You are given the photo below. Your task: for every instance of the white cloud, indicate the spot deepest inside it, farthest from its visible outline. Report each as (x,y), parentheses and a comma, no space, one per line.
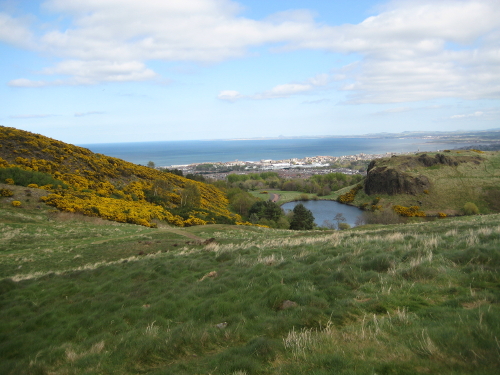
(90,72)
(230,95)
(475,114)
(284,91)
(394,110)
(406,52)
(24,82)
(412,50)
(15,31)
(280,91)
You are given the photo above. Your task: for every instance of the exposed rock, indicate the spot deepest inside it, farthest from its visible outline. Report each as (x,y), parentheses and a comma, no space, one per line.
(386,180)
(209,241)
(221,325)
(428,161)
(212,274)
(397,175)
(287,304)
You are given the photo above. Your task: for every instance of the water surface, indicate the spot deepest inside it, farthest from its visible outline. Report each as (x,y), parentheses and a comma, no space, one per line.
(167,153)
(326,210)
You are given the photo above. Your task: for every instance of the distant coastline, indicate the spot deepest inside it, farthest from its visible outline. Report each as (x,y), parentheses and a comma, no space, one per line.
(429,136)
(171,153)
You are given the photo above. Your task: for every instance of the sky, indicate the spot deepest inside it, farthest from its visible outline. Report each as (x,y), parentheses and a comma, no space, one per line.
(103,71)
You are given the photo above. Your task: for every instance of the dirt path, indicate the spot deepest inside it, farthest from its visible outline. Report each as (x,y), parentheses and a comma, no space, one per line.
(182,233)
(165,229)
(274,197)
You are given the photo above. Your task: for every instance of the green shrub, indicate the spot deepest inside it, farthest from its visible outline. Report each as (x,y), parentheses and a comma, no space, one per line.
(470,209)
(379,263)
(382,217)
(22,177)
(344,226)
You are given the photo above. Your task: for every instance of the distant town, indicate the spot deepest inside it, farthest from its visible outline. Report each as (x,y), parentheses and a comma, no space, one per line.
(487,140)
(295,167)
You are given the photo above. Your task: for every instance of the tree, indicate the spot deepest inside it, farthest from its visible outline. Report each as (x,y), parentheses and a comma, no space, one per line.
(190,196)
(241,203)
(339,218)
(471,209)
(303,218)
(196,177)
(266,209)
(151,164)
(344,226)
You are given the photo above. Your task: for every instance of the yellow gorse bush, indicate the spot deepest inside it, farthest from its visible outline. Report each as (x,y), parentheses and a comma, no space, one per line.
(413,211)
(108,187)
(6,193)
(350,195)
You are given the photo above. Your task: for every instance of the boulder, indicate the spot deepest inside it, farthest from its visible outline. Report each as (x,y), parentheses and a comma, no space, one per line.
(287,304)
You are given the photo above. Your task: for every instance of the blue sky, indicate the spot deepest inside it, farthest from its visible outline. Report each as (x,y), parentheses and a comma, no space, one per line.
(99,71)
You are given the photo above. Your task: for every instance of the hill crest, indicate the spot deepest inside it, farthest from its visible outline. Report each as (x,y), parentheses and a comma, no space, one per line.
(437,181)
(111,188)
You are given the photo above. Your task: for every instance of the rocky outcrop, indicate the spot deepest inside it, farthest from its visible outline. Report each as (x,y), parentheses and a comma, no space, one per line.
(393,176)
(428,161)
(387,180)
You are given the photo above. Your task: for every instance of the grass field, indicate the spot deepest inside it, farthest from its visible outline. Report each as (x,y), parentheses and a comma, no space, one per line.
(86,296)
(289,196)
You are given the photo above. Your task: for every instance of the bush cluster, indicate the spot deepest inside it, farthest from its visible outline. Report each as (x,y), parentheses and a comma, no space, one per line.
(412,211)
(470,209)
(350,195)
(29,178)
(6,193)
(111,188)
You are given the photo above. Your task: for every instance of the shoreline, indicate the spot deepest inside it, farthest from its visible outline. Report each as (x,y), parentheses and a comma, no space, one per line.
(308,162)
(288,152)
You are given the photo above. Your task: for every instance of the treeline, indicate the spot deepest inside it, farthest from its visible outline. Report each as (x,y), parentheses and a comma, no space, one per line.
(320,185)
(268,213)
(257,211)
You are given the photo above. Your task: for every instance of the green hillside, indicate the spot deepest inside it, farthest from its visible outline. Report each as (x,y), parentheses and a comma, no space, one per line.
(82,295)
(106,187)
(435,182)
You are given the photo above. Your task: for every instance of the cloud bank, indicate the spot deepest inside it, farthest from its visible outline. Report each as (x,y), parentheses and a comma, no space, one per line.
(410,51)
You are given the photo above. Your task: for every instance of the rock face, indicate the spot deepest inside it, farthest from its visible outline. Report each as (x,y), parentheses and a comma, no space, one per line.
(395,176)
(402,174)
(387,180)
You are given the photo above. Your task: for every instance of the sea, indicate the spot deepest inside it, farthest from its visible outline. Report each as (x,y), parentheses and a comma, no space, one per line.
(178,153)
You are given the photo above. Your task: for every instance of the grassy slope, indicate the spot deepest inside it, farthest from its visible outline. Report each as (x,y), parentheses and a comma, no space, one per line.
(452,187)
(109,184)
(289,196)
(102,297)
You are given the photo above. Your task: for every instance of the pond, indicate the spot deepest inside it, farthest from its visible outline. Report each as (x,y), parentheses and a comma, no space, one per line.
(326,210)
